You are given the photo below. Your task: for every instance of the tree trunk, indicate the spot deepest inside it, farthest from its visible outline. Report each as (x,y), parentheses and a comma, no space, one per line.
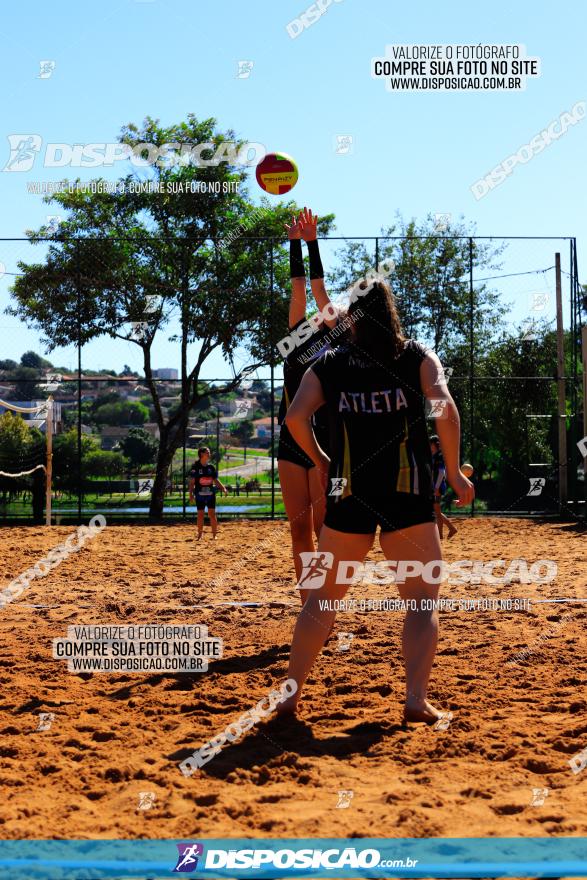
(169,442)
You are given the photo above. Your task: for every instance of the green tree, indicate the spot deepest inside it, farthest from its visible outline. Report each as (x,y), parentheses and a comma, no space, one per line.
(21,448)
(121,413)
(139,447)
(431,282)
(104,463)
(263,394)
(515,381)
(34,360)
(65,459)
(129,262)
(25,381)
(244,432)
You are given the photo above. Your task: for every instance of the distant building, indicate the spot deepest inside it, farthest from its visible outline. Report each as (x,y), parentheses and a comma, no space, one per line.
(263,428)
(167,373)
(151,428)
(110,435)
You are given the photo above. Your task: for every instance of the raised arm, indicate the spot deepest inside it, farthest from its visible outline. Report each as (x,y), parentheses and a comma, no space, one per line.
(308,224)
(447,425)
(297,303)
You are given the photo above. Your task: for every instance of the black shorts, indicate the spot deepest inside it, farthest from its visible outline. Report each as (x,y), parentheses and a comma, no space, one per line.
(288,450)
(361,516)
(203,501)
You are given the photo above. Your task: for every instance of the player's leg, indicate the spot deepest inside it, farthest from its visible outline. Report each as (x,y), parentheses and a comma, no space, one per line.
(318,500)
(442,520)
(316,618)
(295,488)
(452,529)
(212,516)
(418,544)
(200,507)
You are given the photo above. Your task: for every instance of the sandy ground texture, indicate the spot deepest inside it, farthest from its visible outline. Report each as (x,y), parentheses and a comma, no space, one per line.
(115,736)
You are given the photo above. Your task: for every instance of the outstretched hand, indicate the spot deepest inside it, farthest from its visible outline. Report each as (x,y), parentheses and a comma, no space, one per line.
(308,224)
(294,230)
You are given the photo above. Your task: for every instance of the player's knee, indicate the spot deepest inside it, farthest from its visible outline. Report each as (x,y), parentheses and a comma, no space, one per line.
(424,608)
(301,531)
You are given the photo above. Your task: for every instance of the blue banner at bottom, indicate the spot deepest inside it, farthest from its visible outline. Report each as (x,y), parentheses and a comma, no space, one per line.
(254,859)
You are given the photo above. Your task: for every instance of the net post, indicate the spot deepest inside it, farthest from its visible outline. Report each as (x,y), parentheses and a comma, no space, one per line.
(561,390)
(573,391)
(471,363)
(584,356)
(79,382)
(49,470)
(272,374)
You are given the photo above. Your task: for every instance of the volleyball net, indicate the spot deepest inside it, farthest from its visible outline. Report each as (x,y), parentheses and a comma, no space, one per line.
(27,458)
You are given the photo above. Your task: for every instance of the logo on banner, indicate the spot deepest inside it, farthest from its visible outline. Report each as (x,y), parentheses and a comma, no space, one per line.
(537,484)
(187,860)
(315,566)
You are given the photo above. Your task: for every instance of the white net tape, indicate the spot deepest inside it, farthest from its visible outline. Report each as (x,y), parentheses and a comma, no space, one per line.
(24,473)
(24,409)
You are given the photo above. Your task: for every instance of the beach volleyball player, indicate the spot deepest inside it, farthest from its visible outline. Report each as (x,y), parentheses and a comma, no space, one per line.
(301,486)
(379,474)
(439,486)
(203,483)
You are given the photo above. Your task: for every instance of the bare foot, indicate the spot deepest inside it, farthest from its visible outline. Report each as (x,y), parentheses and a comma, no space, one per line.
(421,711)
(288,708)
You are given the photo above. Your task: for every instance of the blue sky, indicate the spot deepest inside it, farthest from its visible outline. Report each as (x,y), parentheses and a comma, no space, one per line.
(413,152)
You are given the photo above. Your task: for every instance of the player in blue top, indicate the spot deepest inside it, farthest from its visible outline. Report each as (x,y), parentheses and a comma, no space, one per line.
(203,483)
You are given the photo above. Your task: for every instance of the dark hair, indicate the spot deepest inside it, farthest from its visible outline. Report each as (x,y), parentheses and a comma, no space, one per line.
(434,438)
(376,327)
(203,449)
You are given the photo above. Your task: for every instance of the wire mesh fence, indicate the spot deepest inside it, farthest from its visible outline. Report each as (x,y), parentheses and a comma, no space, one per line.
(153,347)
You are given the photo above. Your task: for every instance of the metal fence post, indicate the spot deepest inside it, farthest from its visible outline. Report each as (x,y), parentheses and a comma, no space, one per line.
(183,470)
(272,371)
(561,390)
(184,389)
(471,362)
(79,386)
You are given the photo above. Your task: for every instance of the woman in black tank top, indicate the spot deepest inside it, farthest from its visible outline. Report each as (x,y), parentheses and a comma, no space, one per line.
(375,388)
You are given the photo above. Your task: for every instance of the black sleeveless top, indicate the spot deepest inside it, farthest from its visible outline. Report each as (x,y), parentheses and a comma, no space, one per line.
(294,367)
(377,422)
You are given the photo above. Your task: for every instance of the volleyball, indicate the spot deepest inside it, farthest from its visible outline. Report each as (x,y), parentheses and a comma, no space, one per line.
(467,469)
(277,173)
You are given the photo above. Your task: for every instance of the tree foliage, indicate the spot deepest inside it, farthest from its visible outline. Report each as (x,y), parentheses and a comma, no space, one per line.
(132,264)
